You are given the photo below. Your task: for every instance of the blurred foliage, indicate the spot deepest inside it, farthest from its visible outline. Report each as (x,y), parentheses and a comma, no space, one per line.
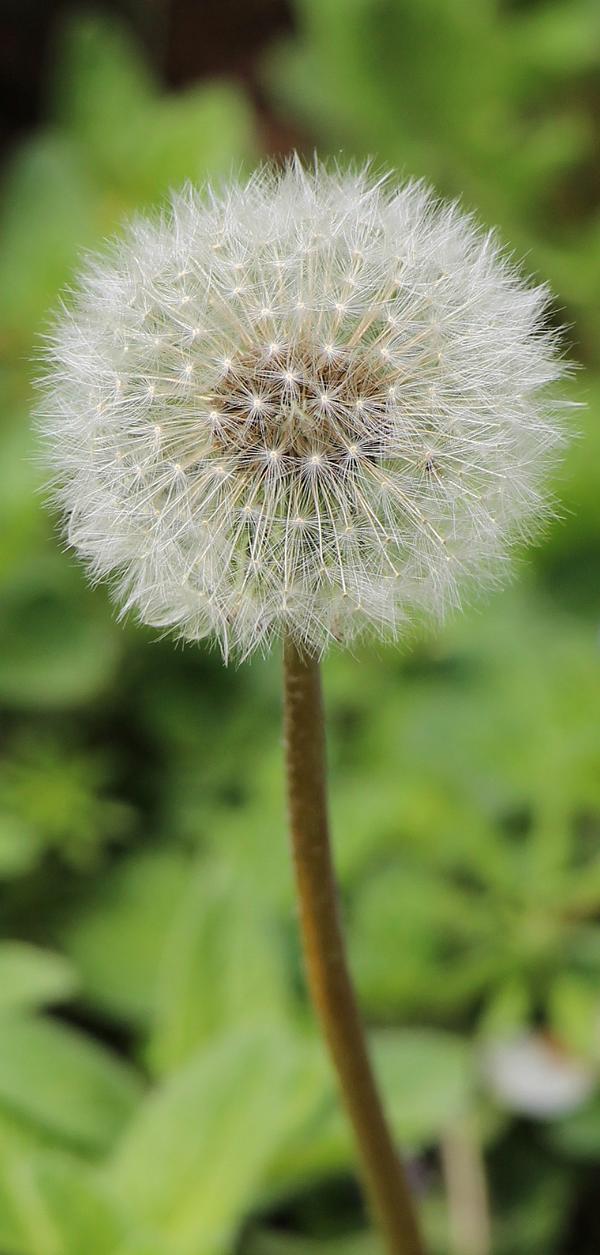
(495,103)
(162,1091)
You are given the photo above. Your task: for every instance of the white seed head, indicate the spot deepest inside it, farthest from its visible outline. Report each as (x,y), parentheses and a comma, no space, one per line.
(314,403)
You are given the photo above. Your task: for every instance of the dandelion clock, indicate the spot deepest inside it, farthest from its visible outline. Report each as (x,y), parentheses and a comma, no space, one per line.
(304,408)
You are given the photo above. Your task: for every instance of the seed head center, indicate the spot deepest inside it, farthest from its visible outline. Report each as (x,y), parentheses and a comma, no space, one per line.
(302,403)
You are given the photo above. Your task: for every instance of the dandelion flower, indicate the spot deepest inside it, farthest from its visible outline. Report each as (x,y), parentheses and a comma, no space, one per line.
(307,406)
(311,404)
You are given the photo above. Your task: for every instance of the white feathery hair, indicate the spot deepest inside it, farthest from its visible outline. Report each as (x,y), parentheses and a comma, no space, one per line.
(314,403)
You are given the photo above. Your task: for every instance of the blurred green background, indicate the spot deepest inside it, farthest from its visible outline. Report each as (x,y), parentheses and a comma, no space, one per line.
(162,1091)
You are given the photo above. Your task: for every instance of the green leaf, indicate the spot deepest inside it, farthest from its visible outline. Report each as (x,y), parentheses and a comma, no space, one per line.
(101,79)
(141,1245)
(191,136)
(46,214)
(54,651)
(428,1079)
(22,524)
(196,1156)
(508,1009)
(60,800)
(221,967)
(19,846)
(577,1135)
(31,977)
(64,1082)
(86,1215)
(441,935)
(137,141)
(53,1204)
(486,101)
(574,1009)
(116,938)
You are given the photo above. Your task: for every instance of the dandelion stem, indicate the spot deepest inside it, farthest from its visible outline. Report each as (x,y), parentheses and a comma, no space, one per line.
(325,954)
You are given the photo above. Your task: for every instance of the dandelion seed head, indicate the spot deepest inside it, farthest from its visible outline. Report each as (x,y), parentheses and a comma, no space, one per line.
(315,403)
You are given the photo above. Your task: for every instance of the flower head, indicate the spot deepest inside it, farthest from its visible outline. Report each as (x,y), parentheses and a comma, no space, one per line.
(313,403)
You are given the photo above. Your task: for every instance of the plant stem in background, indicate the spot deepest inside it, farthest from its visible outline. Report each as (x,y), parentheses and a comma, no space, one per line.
(325,954)
(466,1192)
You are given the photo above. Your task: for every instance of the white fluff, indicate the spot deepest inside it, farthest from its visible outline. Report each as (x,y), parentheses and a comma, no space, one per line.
(314,403)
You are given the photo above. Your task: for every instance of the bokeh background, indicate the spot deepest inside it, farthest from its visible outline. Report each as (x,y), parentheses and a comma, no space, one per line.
(162,1091)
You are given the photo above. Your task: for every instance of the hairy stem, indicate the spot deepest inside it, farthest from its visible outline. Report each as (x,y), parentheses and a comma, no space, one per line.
(325,955)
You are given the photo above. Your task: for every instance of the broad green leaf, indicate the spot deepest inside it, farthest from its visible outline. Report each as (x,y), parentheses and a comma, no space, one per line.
(101,80)
(86,1215)
(18,1145)
(555,38)
(64,1081)
(221,968)
(117,937)
(195,1157)
(47,213)
(428,1079)
(137,141)
(200,134)
(54,1204)
(31,977)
